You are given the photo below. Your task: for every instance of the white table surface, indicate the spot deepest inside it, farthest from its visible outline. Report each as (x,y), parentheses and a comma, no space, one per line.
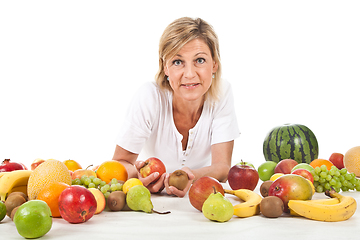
(185,222)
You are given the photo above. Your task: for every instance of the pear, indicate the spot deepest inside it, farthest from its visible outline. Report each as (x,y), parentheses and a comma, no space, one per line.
(138,198)
(218,208)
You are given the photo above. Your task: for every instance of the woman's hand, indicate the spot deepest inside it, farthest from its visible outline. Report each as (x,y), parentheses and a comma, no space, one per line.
(149,181)
(171,190)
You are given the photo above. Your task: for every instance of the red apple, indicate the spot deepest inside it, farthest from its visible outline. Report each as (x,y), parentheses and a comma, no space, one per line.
(304,173)
(285,166)
(8,166)
(79,172)
(153,165)
(201,189)
(291,187)
(77,204)
(243,177)
(36,163)
(338,160)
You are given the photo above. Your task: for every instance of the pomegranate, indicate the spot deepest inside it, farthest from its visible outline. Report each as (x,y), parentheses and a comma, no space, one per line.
(77,204)
(8,166)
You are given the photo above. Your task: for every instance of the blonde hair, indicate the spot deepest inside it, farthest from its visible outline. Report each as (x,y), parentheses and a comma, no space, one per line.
(179,33)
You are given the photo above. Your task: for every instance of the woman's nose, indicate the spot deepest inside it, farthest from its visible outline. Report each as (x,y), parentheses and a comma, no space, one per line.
(189,71)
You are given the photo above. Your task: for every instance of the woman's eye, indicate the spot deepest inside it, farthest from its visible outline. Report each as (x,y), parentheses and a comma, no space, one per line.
(177,62)
(200,60)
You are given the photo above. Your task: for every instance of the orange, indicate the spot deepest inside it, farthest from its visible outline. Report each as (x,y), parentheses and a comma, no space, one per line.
(72,165)
(50,194)
(111,169)
(319,162)
(352,160)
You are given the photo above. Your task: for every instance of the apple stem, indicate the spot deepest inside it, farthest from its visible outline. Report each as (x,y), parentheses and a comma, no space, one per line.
(214,189)
(88,166)
(154,211)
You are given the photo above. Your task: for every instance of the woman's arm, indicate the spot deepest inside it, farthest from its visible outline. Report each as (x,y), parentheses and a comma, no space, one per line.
(221,154)
(128,159)
(220,165)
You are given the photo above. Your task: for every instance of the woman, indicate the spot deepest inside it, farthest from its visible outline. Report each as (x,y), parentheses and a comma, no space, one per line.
(187,118)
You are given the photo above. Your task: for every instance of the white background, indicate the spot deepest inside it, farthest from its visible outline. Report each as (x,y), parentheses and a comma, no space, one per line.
(68,70)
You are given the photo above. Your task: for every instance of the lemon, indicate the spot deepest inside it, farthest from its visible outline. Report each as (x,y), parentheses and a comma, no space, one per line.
(130,183)
(276,176)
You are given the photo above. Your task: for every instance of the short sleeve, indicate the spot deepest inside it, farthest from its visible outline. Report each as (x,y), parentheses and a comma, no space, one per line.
(139,119)
(225,126)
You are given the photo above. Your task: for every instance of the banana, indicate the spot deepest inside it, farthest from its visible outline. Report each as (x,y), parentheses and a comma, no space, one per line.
(324,211)
(251,204)
(328,201)
(11,180)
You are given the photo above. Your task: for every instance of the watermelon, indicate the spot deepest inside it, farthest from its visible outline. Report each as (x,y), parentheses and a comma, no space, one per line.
(291,141)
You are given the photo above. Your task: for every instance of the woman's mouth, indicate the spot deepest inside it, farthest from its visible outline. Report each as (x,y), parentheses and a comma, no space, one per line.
(190,85)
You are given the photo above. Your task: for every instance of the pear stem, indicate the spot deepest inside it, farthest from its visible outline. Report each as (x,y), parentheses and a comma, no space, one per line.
(154,211)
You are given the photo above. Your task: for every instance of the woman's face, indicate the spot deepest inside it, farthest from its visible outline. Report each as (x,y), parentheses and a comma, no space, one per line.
(190,71)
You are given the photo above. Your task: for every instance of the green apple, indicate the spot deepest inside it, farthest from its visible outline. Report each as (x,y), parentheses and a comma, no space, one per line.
(33,219)
(2,210)
(266,170)
(304,166)
(218,208)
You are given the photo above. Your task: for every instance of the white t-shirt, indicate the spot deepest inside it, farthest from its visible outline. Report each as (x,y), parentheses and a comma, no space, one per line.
(149,128)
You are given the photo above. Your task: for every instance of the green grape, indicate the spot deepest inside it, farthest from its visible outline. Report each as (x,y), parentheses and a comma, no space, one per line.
(87,181)
(337,173)
(341,178)
(317,170)
(338,185)
(328,178)
(114,181)
(316,178)
(323,168)
(103,190)
(77,181)
(322,180)
(118,186)
(353,181)
(336,189)
(113,187)
(332,182)
(327,186)
(103,183)
(107,187)
(91,185)
(319,189)
(344,188)
(92,177)
(344,183)
(316,183)
(97,181)
(332,171)
(106,194)
(357,188)
(348,176)
(83,177)
(323,174)
(343,171)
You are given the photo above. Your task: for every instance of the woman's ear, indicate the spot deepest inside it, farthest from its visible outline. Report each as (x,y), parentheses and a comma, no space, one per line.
(166,70)
(215,66)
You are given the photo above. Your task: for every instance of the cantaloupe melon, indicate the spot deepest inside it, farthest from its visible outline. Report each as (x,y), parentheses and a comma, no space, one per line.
(49,171)
(352,160)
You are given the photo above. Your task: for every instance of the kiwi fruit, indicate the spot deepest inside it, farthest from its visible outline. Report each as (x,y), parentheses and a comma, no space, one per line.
(116,200)
(271,206)
(12,202)
(18,193)
(13,213)
(179,179)
(264,188)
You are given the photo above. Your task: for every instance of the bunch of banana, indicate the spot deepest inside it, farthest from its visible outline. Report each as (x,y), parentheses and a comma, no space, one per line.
(13,181)
(251,204)
(328,210)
